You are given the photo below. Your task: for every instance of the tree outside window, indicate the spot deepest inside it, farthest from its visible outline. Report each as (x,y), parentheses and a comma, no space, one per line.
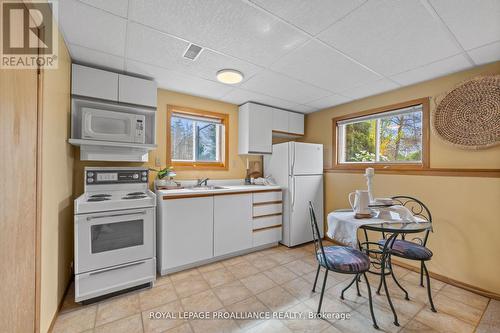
(395,136)
(197,138)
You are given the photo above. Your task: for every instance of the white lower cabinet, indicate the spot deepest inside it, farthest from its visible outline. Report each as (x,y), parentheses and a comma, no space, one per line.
(192,231)
(186,230)
(232,223)
(266,236)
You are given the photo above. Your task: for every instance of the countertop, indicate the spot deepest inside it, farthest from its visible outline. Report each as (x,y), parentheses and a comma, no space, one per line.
(189,192)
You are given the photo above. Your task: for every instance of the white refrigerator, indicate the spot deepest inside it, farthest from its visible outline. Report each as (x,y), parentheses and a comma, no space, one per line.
(298,168)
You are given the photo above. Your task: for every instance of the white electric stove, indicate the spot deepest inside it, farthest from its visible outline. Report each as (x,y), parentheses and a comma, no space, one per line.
(115,220)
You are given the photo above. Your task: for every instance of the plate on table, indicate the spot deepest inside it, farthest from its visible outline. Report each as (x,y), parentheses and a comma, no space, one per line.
(379,205)
(382,202)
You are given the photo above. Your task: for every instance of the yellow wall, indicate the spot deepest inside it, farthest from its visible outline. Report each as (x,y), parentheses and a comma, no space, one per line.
(465,209)
(237,164)
(57,188)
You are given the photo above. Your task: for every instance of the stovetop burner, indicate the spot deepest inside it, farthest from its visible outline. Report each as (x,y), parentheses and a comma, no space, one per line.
(134,197)
(101,198)
(135,193)
(100,195)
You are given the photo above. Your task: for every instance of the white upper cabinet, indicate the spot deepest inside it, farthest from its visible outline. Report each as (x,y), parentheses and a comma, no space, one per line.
(92,82)
(255,123)
(295,123)
(280,120)
(98,83)
(134,90)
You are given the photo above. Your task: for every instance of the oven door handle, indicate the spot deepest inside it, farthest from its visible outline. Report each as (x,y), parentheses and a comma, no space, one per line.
(115,215)
(118,267)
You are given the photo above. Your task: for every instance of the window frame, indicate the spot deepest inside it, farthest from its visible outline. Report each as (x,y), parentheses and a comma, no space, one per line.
(199,165)
(424,164)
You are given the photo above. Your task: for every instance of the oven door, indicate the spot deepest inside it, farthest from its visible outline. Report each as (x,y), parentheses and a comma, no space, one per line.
(113,238)
(107,125)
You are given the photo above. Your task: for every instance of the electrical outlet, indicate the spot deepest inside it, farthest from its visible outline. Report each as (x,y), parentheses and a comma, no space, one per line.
(157,162)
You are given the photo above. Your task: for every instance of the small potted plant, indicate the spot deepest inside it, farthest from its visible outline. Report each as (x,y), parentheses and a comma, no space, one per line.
(165,178)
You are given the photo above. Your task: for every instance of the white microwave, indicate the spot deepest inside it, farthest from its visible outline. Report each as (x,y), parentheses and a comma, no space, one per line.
(104,125)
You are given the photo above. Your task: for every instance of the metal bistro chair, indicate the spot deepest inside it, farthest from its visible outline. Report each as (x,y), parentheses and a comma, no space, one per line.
(416,248)
(339,259)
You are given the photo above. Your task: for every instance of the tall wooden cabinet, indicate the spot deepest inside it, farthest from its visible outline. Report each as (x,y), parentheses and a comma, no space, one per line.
(19,167)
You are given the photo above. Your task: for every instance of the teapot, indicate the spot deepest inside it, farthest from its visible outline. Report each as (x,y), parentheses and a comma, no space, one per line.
(361,201)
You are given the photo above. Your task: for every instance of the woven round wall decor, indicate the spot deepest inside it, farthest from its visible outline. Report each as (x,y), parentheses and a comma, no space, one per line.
(469,115)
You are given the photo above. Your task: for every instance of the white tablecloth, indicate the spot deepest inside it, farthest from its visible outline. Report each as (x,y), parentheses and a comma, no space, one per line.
(343,227)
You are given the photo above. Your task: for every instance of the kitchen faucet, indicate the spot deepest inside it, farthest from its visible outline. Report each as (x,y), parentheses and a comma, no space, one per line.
(202,181)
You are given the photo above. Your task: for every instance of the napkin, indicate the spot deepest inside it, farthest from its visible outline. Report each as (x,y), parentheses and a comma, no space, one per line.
(404,213)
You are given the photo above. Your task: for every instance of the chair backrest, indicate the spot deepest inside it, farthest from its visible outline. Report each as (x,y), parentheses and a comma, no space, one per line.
(318,244)
(417,208)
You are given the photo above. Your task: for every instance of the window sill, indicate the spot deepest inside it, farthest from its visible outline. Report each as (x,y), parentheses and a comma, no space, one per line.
(380,166)
(199,166)
(443,172)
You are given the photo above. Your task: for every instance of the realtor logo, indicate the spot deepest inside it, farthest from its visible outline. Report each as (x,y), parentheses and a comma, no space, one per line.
(29,37)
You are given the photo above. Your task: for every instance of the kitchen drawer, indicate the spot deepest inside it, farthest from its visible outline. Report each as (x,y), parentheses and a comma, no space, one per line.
(105,281)
(266,209)
(266,236)
(259,197)
(268,221)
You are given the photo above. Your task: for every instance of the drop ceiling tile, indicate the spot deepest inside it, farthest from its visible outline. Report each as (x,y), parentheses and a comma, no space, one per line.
(474,23)
(281,86)
(241,96)
(324,67)
(228,26)
(486,54)
(329,101)
(304,108)
(391,36)
(370,89)
(117,7)
(92,28)
(433,70)
(157,48)
(175,81)
(92,57)
(153,47)
(311,16)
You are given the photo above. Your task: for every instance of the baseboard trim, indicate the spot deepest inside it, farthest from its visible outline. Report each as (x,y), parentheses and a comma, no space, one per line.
(453,282)
(442,278)
(61,302)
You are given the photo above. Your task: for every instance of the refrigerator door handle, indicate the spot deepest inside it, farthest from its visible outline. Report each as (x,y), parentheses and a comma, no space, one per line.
(293,193)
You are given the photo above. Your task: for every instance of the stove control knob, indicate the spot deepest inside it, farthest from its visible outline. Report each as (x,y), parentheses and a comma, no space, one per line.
(90,174)
(90,180)
(144,179)
(144,173)
(135,176)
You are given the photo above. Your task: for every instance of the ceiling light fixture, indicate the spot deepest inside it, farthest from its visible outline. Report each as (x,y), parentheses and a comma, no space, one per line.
(229,76)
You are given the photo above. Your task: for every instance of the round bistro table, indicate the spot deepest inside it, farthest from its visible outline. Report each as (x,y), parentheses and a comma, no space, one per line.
(380,254)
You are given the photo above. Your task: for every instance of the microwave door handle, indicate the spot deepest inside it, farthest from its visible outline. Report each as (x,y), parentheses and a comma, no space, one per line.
(115,215)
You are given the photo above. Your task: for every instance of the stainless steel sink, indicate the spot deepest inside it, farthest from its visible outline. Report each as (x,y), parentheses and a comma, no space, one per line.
(207,188)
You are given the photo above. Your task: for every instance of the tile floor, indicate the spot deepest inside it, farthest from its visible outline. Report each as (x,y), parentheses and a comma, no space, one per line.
(277,279)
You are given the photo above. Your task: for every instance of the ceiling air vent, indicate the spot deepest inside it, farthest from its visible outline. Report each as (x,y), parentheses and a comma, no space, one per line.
(192,52)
